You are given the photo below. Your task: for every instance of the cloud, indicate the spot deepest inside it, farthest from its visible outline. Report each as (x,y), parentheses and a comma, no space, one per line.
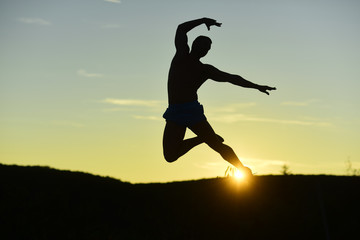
(211,165)
(231,108)
(152,118)
(300,103)
(36,21)
(113,1)
(84,73)
(132,102)
(263,163)
(265,166)
(232,118)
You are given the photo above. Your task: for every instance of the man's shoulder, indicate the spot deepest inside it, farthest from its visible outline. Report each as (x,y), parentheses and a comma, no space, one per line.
(214,73)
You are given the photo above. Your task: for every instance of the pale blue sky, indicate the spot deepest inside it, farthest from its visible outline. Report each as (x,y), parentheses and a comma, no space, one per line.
(68,70)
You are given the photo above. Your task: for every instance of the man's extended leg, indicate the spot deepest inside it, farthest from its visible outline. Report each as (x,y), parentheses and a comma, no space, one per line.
(204,131)
(174,145)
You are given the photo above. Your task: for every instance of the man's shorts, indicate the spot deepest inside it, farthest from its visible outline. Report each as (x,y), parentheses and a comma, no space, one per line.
(185,114)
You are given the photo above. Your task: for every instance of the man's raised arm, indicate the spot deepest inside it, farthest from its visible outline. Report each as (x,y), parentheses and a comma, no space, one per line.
(184,28)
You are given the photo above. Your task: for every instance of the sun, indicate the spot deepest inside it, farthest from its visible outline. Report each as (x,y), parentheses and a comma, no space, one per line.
(239,175)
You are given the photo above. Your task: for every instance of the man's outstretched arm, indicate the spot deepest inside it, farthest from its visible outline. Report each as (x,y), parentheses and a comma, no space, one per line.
(220,76)
(184,28)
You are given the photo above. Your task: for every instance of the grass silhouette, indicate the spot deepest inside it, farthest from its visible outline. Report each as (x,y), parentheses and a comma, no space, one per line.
(44,203)
(350,170)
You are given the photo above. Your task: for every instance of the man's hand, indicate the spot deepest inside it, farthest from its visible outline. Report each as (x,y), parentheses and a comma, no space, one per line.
(211,22)
(265,89)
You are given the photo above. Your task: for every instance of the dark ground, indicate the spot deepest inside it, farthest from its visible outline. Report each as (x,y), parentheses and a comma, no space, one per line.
(44,203)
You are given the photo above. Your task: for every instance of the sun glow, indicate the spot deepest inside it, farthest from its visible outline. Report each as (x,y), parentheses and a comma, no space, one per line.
(239,175)
(236,174)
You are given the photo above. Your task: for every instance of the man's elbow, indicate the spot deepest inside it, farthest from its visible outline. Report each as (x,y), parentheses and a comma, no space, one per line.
(230,78)
(181,28)
(236,80)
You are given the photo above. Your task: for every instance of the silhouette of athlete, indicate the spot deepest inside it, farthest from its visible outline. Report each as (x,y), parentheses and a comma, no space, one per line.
(186,75)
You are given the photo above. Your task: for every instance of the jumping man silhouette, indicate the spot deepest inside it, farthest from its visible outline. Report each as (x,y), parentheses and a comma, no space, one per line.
(186,75)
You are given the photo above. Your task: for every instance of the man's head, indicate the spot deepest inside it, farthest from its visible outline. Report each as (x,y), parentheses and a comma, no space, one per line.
(200,46)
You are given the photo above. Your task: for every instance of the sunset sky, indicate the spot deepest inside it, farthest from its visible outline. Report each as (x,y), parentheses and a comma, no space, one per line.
(83,85)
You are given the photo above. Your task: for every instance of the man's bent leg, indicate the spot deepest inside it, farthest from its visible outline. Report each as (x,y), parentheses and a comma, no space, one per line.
(206,132)
(174,145)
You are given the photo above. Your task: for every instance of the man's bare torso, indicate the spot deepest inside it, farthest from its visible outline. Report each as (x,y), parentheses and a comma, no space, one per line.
(186,75)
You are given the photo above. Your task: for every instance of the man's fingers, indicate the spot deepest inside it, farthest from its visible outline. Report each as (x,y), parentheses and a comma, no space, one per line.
(265,89)
(270,88)
(213,22)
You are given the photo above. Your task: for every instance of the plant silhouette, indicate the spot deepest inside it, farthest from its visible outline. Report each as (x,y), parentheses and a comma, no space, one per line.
(187,73)
(285,170)
(350,170)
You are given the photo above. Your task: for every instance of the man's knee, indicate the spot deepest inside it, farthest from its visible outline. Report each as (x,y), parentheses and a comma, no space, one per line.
(170,157)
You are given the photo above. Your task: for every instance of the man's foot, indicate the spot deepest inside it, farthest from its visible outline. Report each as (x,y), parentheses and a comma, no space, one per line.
(247,172)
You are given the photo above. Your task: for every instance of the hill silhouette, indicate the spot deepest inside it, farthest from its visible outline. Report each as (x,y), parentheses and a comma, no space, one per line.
(44,203)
